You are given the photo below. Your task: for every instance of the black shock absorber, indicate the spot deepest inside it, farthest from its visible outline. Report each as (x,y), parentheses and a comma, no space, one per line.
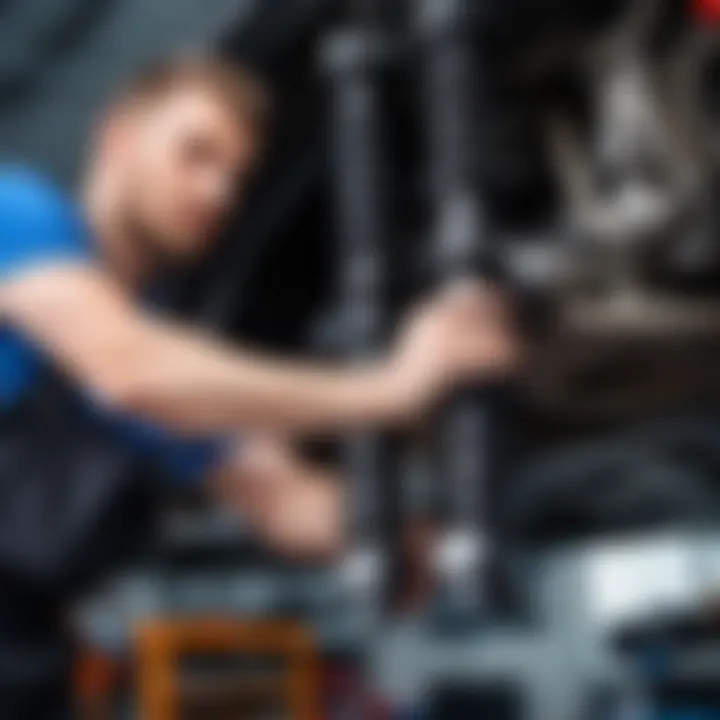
(452,88)
(354,58)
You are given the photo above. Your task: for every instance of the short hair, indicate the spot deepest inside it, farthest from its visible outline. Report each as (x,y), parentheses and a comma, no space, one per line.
(238,87)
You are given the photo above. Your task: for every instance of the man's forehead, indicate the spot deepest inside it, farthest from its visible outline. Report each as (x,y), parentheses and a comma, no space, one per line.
(191,105)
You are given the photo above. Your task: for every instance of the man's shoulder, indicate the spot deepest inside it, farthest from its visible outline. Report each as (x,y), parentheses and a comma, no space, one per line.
(37,219)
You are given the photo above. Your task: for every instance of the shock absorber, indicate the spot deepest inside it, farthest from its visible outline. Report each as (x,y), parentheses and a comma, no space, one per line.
(453,92)
(354,59)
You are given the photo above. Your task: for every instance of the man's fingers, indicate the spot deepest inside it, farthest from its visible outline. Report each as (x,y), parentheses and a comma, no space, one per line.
(478,299)
(306,521)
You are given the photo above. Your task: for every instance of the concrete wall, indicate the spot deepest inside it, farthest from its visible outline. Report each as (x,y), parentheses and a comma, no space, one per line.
(65,60)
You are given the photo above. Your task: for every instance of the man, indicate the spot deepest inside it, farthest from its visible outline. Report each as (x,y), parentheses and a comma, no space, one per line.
(170,159)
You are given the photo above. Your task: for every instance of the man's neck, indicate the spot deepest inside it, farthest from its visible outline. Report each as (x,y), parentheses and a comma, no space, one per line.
(102,204)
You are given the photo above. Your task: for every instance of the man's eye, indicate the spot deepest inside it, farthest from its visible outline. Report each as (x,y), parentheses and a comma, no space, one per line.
(197,152)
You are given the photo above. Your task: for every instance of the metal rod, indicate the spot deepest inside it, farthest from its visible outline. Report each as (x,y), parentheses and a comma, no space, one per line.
(353,58)
(452,78)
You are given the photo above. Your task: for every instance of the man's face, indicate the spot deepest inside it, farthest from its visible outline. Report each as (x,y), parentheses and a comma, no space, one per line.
(184,159)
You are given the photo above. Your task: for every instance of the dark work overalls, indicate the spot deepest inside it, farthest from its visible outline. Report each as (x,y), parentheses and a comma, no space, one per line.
(75,504)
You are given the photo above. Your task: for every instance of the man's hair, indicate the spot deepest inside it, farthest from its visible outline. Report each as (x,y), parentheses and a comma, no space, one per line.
(240,89)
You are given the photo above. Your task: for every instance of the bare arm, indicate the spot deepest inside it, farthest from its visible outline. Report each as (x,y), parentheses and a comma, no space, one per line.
(188,381)
(290,504)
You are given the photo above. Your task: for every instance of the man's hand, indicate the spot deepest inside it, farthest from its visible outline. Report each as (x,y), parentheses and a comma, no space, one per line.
(305,521)
(295,508)
(462,335)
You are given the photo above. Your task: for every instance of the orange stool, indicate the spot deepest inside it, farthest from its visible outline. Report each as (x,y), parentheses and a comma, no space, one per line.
(162,643)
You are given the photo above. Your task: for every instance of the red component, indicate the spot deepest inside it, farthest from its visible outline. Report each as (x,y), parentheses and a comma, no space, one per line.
(707,11)
(347,695)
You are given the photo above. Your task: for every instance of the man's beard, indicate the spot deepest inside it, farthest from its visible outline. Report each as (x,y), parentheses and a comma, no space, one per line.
(149,246)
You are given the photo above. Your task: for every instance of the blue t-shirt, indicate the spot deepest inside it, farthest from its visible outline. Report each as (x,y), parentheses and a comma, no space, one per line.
(40,226)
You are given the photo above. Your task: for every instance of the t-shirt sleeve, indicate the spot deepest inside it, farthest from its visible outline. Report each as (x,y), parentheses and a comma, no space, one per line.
(182,460)
(192,462)
(38,226)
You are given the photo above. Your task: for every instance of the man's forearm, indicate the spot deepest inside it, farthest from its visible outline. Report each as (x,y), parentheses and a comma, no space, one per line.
(197,384)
